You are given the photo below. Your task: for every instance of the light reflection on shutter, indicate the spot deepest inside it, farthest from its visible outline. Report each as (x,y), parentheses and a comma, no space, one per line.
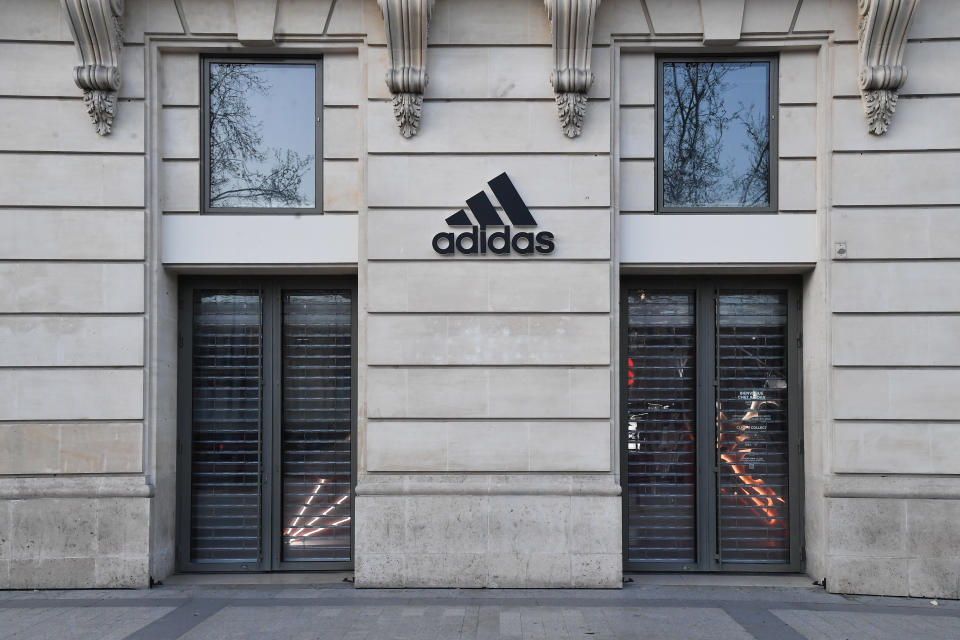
(225,458)
(752,444)
(661,422)
(316,425)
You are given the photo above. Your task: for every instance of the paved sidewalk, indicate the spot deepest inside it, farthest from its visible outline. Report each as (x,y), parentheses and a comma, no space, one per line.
(640,610)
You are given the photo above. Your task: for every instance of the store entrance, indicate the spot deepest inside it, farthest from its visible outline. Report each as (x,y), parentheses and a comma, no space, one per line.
(266,420)
(711,458)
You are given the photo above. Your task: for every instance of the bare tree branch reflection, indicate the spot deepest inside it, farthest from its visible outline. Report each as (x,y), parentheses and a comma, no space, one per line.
(754,185)
(699,167)
(243,171)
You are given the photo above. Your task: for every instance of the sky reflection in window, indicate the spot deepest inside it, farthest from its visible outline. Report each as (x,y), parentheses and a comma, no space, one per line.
(716,134)
(262,135)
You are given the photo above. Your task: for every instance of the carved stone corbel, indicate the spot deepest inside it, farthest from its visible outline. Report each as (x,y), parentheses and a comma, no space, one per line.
(571,30)
(97,28)
(407,23)
(883,34)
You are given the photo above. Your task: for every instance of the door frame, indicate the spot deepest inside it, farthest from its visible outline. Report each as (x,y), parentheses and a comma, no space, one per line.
(270,418)
(708,556)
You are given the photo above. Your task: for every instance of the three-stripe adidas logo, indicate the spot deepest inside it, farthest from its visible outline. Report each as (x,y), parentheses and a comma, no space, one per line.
(476,241)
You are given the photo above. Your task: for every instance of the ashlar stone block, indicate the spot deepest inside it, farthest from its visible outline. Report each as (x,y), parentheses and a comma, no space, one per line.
(70,341)
(448,180)
(914,287)
(522,392)
(931,528)
(180,133)
(180,79)
(72,287)
(66,127)
(768,16)
(71,394)
(897,233)
(341,133)
(459,340)
(675,16)
(487,126)
(37,234)
(209,16)
(886,179)
(180,186)
(798,77)
(638,83)
(867,527)
(150,16)
(81,180)
(868,575)
(342,80)
(488,286)
(491,22)
(638,132)
(934,577)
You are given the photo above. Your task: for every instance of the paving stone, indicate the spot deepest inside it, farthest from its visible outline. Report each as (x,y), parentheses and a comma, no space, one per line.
(321,612)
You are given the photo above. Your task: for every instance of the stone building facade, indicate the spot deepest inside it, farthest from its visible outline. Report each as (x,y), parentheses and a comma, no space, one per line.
(490,436)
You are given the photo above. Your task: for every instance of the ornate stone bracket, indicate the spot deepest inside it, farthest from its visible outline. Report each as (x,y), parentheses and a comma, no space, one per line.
(407,23)
(97,28)
(571,29)
(883,33)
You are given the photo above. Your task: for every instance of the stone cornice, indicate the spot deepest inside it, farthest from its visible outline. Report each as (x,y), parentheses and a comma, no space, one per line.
(883,34)
(407,23)
(571,31)
(97,28)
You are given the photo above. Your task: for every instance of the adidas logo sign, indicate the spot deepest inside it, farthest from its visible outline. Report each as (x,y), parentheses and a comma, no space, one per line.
(477,241)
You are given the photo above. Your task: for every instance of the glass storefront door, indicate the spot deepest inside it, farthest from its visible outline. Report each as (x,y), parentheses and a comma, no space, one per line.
(711,425)
(266,406)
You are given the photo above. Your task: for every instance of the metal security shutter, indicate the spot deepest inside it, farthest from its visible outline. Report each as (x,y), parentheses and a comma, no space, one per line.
(711,462)
(225,415)
(316,425)
(752,434)
(661,426)
(267,408)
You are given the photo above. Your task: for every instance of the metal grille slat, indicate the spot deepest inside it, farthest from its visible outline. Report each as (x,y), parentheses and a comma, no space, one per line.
(752,441)
(225,412)
(661,426)
(316,345)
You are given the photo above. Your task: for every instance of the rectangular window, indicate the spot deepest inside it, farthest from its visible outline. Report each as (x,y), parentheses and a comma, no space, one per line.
(717,135)
(261,142)
(711,425)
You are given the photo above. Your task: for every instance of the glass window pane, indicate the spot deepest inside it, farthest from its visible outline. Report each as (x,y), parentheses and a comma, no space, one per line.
(752,436)
(661,426)
(316,425)
(262,135)
(716,134)
(225,438)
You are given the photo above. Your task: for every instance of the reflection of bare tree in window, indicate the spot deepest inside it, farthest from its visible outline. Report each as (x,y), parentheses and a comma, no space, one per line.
(754,184)
(702,126)
(243,172)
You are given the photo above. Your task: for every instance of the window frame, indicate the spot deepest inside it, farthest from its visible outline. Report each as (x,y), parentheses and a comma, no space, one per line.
(205,62)
(707,516)
(773,101)
(271,390)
